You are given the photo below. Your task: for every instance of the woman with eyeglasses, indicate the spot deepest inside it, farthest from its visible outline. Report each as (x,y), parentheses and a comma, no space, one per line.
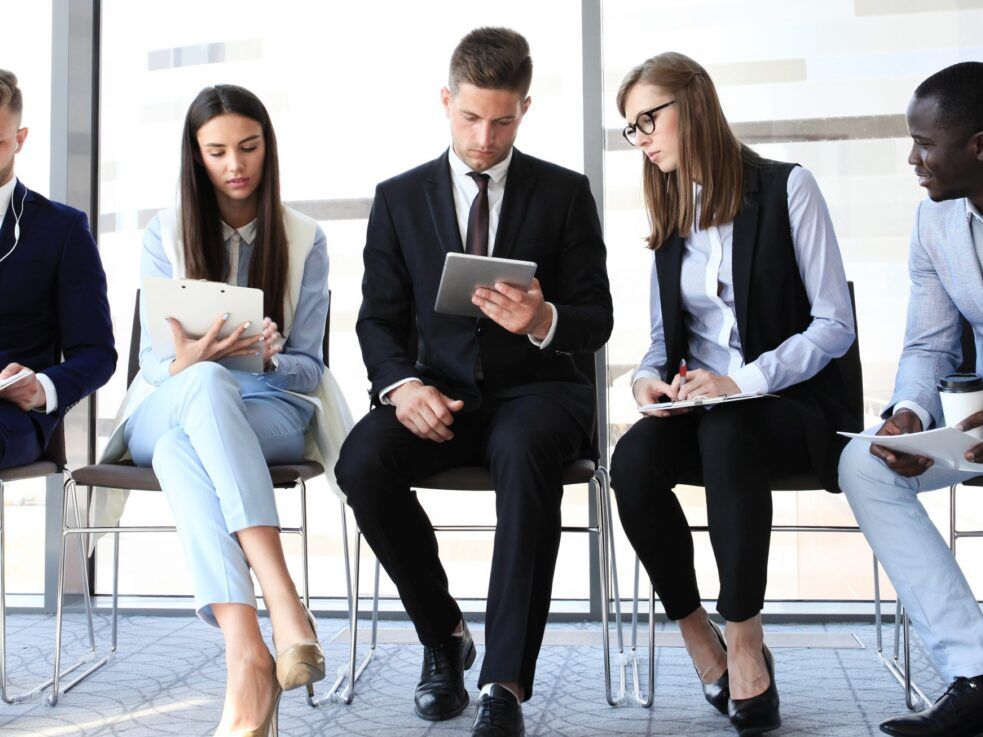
(209,431)
(748,294)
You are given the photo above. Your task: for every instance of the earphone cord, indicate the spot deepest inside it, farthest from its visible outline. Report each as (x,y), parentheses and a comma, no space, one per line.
(17,217)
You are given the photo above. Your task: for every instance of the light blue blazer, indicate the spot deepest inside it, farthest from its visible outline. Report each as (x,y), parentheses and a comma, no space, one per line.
(946,284)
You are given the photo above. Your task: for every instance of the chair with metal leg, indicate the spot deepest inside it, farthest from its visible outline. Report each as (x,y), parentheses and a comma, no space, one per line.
(51,464)
(851,372)
(125,475)
(589,470)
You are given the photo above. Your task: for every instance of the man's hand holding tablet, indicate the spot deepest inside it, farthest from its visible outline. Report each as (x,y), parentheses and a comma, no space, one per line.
(464,274)
(520,311)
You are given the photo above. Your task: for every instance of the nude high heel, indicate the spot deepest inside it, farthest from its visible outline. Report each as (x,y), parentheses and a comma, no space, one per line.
(301,664)
(271,724)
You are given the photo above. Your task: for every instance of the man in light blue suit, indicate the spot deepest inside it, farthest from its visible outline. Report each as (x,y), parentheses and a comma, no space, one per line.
(945,120)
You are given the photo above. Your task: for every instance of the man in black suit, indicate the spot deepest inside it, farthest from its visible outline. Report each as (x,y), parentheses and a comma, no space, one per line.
(52,303)
(500,391)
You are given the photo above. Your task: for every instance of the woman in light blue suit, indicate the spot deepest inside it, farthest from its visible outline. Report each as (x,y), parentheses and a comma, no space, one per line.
(209,432)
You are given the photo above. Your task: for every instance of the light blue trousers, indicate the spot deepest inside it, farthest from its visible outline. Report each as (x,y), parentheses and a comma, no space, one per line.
(924,571)
(209,434)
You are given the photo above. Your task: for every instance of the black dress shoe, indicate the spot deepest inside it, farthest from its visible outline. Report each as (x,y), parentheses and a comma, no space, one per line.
(717,693)
(498,715)
(440,694)
(957,713)
(758,714)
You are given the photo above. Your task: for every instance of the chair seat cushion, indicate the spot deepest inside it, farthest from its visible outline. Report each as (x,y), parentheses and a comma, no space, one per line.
(797,482)
(30,471)
(477,478)
(128,476)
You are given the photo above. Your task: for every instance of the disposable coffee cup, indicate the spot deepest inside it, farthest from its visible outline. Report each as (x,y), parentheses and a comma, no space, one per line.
(962,395)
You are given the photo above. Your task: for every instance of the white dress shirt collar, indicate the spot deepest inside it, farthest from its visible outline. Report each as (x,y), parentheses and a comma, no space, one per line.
(247,233)
(6,192)
(972,211)
(497,172)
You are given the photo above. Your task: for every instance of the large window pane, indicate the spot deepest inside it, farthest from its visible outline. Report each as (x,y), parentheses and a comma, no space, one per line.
(824,85)
(355,100)
(27,53)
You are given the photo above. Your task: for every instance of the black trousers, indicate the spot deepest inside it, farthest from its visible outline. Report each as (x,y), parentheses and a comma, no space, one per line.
(735,449)
(20,438)
(524,442)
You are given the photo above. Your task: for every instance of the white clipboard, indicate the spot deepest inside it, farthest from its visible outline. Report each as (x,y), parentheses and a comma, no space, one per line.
(463,273)
(196,304)
(704,401)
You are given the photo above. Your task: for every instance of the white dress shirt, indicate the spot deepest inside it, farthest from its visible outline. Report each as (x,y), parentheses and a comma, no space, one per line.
(465,190)
(6,192)
(50,393)
(976,231)
(710,317)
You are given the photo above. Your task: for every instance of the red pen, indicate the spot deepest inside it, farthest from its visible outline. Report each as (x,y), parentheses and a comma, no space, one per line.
(682,371)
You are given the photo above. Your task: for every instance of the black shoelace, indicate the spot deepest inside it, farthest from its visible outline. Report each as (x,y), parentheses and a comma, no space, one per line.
(956,684)
(494,711)
(439,660)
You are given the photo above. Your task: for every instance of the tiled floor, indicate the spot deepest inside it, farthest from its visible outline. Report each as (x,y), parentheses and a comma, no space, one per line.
(168,677)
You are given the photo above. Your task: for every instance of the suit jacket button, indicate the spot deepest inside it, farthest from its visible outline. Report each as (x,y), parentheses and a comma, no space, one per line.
(480,330)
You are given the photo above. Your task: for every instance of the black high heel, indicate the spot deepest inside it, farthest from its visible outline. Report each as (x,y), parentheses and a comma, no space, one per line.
(758,714)
(717,693)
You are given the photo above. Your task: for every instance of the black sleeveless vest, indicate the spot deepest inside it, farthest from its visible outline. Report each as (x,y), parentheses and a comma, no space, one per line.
(771,305)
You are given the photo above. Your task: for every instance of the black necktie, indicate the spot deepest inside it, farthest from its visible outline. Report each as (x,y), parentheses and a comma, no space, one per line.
(477,238)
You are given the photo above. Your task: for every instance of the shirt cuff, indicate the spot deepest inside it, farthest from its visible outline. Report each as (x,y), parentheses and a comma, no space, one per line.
(384,394)
(644,373)
(750,380)
(915,407)
(544,343)
(50,394)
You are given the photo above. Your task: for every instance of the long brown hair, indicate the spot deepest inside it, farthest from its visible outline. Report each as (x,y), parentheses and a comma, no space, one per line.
(204,249)
(708,151)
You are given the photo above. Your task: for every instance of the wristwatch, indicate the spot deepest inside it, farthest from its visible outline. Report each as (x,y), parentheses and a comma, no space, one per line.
(274,363)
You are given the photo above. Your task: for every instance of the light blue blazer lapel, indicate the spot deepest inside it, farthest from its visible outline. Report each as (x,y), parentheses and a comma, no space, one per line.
(965,285)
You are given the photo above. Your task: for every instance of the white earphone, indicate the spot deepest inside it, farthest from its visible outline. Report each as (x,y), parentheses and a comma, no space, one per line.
(17,217)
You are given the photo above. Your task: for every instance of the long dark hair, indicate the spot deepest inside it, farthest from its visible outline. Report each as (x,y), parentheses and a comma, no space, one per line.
(204,249)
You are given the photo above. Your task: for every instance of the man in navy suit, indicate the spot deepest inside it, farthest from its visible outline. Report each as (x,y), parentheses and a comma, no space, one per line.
(500,391)
(52,303)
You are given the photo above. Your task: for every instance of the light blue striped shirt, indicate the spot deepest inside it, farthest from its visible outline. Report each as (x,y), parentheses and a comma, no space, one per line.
(301,364)
(710,319)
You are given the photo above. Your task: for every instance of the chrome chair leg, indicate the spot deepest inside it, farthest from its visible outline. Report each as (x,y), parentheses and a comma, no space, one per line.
(599,486)
(57,689)
(915,699)
(648,699)
(351,672)
(953,536)
(5,695)
(304,550)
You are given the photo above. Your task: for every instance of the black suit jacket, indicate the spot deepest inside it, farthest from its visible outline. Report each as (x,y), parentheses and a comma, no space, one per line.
(771,305)
(53,302)
(548,216)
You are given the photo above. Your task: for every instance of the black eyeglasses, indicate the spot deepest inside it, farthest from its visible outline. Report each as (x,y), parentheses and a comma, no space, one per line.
(645,122)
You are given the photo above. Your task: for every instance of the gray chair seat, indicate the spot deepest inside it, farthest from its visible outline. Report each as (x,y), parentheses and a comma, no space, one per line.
(129,476)
(30,471)
(477,478)
(795,482)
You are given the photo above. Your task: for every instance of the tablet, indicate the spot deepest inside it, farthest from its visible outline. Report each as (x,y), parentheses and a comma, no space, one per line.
(463,273)
(196,304)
